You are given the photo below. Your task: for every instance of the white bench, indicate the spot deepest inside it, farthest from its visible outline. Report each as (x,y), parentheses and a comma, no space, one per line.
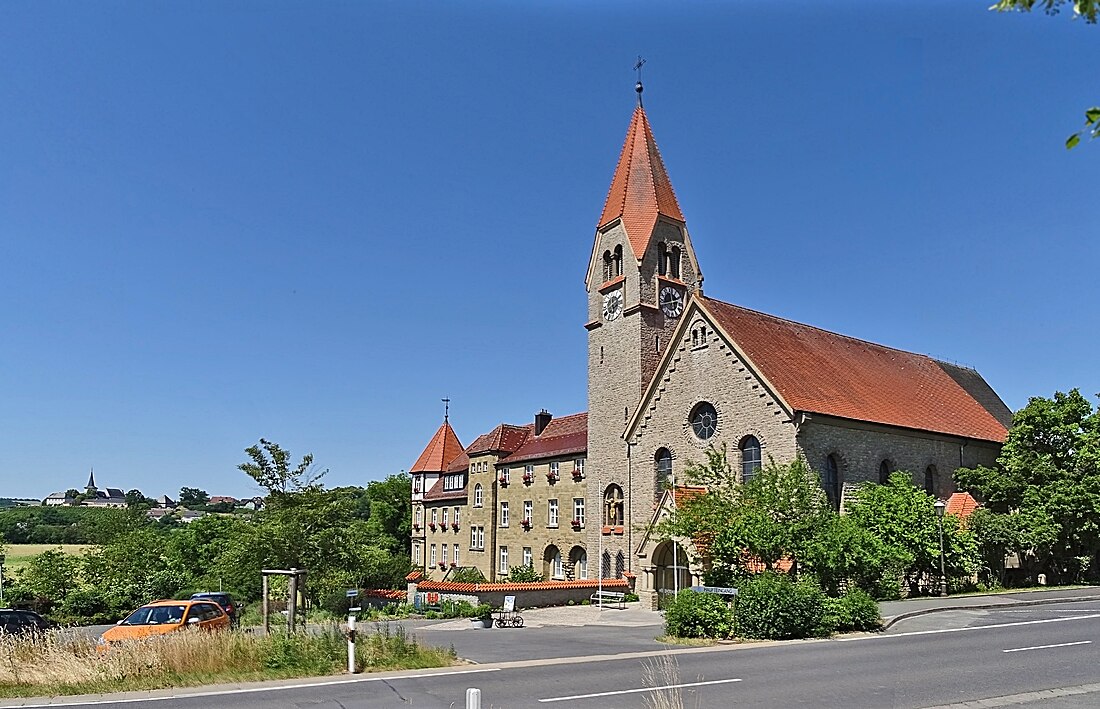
(604,598)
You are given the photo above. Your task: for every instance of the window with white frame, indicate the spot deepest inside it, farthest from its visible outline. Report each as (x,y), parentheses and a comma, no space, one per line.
(557,569)
(455,557)
(504,514)
(527,556)
(506,475)
(528,470)
(552,513)
(555,468)
(504,560)
(578,464)
(454,481)
(528,510)
(443,558)
(434,513)
(479,495)
(417,485)
(433,555)
(481,538)
(444,516)
(578,510)
(419,515)
(455,518)
(473,537)
(416,553)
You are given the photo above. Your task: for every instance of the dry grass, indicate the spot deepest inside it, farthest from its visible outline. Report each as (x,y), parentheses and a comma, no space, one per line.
(19,555)
(663,672)
(56,664)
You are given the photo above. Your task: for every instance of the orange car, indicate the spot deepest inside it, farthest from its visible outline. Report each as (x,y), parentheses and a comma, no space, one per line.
(161,617)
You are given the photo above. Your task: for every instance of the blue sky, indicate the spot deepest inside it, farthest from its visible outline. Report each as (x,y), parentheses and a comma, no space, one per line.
(312,221)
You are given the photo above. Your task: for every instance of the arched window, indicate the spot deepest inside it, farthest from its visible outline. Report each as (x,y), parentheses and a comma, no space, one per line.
(479,495)
(607,266)
(662,460)
(662,259)
(884,470)
(620,564)
(674,262)
(579,560)
(605,565)
(750,458)
(613,506)
(831,481)
(930,480)
(618,261)
(552,564)
(704,420)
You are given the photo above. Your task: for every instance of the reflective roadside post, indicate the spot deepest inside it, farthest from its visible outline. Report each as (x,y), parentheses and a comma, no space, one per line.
(351,594)
(940,507)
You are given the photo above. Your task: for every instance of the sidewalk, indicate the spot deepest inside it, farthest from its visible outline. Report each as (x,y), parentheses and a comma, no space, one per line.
(893,611)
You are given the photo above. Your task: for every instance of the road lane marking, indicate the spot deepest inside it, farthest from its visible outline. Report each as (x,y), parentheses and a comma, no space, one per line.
(1039,697)
(635,691)
(1047,647)
(253,690)
(973,627)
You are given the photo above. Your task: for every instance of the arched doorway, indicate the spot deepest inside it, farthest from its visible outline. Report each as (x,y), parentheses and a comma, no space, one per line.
(552,567)
(578,561)
(671,573)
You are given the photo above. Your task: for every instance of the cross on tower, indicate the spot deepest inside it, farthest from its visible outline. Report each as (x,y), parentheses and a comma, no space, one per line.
(638,86)
(446,408)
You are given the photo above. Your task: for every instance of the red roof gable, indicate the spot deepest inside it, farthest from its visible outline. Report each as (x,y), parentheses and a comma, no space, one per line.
(504,438)
(640,189)
(442,449)
(961,504)
(817,371)
(562,436)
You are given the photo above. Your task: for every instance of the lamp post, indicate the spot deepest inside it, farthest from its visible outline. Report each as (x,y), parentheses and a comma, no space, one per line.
(940,507)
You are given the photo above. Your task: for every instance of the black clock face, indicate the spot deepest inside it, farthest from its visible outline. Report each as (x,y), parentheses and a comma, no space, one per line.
(612,305)
(672,302)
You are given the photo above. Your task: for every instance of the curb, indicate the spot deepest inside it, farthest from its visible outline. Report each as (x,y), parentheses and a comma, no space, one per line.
(987,606)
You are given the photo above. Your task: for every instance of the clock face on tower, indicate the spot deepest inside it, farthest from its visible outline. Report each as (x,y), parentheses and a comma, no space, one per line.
(612,305)
(671,301)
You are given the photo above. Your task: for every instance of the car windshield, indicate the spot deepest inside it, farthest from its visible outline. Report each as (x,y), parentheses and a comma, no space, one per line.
(219,598)
(156,615)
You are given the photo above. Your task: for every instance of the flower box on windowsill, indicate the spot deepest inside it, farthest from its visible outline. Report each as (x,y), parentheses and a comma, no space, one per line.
(431,526)
(454,526)
(454,565)
(578,475)
(552,477)
(528,478)
(442,565)
(416,527)
(503,481)
(577,524)
(526,524)
(616,529)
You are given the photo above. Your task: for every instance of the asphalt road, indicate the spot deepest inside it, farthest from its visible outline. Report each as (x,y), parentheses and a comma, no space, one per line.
(1046,656)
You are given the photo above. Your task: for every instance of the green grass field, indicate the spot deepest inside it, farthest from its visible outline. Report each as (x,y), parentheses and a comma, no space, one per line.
(20,554)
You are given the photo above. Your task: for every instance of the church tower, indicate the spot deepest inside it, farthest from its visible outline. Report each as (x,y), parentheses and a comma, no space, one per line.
(641,272)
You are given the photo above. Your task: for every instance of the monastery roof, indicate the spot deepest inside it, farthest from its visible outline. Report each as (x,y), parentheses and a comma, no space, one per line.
(562,436)
(640,189)
(961,504)
(818,371)
(505,438)
(459,464)
(441,450)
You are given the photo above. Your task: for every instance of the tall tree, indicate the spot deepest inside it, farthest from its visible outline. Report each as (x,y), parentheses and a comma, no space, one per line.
(193,497)
(1090,11)
(270,468)
(1049,471)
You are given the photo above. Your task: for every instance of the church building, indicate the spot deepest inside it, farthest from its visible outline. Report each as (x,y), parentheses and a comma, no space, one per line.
(670,373)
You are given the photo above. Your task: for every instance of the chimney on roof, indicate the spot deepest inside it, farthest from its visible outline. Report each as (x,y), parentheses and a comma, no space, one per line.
(542,420)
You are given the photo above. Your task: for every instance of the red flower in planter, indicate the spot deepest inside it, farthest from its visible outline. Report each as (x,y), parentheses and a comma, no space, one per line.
(528,478)
(503,480)
(526,523)
(577,474)
(552,477)
(454,526)
(577,524)
(431,526)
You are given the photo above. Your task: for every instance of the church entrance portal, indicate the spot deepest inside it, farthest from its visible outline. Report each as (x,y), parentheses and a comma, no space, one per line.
(672,573)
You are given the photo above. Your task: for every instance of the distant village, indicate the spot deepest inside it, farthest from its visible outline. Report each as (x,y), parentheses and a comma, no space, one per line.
(194,503)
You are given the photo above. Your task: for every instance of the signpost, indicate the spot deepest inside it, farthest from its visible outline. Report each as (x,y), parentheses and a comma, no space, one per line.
(717,590)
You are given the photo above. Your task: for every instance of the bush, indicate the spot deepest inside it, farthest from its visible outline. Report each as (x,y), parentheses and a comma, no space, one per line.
(523,574)
(467,574)
(698,615)
(630,597)
(862,610)
(770,606)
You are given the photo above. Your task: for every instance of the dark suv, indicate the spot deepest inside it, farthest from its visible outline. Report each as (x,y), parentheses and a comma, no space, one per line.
(225,601)
(15,622)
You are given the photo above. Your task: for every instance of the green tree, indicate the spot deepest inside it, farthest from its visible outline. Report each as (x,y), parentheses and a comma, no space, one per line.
(192,497)
(1049,471)
(270,468)
(390,514)
(1090,11)
(135,500)
(49,578)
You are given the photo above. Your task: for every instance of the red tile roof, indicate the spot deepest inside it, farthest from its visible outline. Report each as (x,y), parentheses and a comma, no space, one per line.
(414,575)
(442,449)
(818,371)
(505,438)
(640,189)
(961,504)
(567,435)
(388,593)
(438,493)
(462,462)
(531,586)
(682,493)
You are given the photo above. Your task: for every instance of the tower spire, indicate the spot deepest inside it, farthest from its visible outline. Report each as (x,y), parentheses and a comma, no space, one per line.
(91,480)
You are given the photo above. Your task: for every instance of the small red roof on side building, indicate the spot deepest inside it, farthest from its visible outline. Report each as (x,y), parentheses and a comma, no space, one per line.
(505,438)
(961,504)
(818,371)
(640,189)
(441,450)
(567,435)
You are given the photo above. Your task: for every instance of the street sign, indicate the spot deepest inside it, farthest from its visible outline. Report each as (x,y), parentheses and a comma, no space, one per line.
(352,592)
(719,590)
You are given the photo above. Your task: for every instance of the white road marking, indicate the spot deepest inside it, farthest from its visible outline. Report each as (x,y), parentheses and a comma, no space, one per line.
(635,691)
(253,690)
(973,627)
(1047,647)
